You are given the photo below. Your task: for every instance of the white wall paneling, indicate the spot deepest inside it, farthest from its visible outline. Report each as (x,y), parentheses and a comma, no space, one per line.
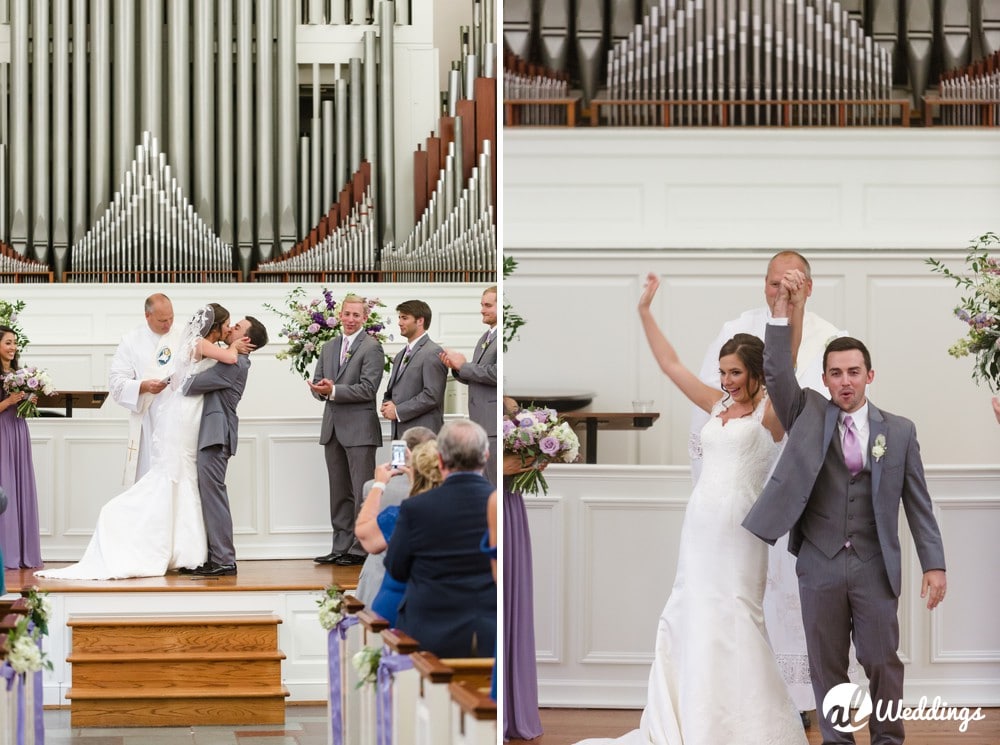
(277,479)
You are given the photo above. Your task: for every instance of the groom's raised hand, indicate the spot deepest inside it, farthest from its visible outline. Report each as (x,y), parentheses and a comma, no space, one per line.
(323,388)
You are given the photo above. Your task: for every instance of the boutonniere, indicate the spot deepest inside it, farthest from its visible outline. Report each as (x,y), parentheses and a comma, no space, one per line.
(347,356)
(878,449)
(406,358)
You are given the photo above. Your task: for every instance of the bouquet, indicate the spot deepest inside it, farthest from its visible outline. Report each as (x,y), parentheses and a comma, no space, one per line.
(980,309)
(331,607)
(39,609)
(539,437)
(30,380)
(310,325)
(26,655)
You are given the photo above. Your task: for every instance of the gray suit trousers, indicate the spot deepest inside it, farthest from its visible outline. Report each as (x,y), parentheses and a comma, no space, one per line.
(348,468)
(212,464)
(833,592)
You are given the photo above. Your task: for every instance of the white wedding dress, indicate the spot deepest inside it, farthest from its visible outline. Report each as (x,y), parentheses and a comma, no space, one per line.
(714,679)
(157,523)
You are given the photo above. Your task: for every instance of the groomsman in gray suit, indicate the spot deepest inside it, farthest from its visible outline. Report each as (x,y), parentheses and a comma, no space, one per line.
(480,374)
(415,395)
(837,488)
(346,379)
(223,387)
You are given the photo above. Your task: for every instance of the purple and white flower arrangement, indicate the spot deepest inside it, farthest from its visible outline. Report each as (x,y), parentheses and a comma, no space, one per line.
(309,324)
(538,436)
(32,381)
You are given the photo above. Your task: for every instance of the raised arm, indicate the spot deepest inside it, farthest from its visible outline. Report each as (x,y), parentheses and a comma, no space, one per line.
(701,395)
(781,343)
(227,355)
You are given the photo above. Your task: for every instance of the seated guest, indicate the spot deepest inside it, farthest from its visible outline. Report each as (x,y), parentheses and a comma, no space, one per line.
(393,487)
(450,602)
(426,474)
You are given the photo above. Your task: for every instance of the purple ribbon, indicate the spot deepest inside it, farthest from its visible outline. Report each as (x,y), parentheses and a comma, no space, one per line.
(39,704)
(337,634)
(388,666)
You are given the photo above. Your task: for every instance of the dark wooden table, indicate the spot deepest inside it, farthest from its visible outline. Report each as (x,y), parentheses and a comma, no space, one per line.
(592,421)
(72,400)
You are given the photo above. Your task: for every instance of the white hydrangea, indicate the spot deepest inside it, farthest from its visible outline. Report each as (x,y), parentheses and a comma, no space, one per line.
(25,656)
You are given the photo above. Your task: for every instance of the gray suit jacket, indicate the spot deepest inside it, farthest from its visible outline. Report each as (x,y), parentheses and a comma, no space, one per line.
(223,388)
(480,374)
(811,421)
(417,388)
(351,417)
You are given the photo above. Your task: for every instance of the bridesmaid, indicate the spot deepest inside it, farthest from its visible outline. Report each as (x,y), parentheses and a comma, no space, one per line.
(19,537)
(520,680)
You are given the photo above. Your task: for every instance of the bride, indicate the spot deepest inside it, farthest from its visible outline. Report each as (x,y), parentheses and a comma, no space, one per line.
(714,679)
(157,524)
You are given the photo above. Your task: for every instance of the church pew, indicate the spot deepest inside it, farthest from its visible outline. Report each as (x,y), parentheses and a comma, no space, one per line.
(343,678)
(433,706)
(372,625)
(404,691)
(473,715)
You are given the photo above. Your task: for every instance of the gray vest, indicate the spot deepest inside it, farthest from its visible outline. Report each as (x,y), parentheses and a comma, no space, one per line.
(840,509)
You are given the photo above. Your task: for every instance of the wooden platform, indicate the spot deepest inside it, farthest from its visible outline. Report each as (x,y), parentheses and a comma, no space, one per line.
(253,576)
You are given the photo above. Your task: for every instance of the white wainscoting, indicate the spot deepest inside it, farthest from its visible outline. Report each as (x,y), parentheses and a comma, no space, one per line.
(605,549)
(277,479)
(766,188)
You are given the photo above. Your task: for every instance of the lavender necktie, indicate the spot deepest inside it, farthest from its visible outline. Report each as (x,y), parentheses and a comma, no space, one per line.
(345,346)
(852,447)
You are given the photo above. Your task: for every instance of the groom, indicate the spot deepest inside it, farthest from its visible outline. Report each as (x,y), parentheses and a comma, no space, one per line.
(837,488)
(223,388)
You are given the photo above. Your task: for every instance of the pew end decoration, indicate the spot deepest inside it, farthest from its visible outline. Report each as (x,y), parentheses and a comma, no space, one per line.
(331,607)
(979,309)
(366,662)
(308,325)
(537,436)
(9,314)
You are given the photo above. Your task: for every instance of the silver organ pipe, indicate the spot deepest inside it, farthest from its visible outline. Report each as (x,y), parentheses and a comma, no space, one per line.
(169,125)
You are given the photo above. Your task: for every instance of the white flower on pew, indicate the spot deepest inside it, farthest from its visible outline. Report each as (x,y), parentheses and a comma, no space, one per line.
(331,607)
(366,663)
(25,655)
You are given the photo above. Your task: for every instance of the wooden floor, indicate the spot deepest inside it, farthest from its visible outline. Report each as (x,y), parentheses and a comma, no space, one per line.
(567,726)
(253,576)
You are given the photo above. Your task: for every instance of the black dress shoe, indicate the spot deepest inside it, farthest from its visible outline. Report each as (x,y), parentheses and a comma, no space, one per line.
(211,569)
(350,560)
(186,570)
(330,558)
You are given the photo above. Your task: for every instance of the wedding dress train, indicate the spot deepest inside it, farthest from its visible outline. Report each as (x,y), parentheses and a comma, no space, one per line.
(714,679)
(157,523)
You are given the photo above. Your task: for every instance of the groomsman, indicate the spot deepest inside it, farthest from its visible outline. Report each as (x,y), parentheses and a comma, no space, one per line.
(137,379)
(480,374)
(415,395)
(346,380)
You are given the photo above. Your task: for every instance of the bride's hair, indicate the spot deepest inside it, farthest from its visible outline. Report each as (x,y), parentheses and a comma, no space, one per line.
(215,316)
(750,351)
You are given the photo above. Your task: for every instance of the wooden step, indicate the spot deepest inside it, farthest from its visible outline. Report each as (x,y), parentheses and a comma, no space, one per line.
(242,669)
(171,709)
(180,670)
(126,634)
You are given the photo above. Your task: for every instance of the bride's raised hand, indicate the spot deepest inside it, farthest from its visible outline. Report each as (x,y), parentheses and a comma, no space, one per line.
(243,345)
(648,291)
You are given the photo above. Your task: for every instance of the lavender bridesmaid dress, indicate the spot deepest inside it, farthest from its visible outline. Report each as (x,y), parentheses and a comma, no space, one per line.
(19,536)
(520,683)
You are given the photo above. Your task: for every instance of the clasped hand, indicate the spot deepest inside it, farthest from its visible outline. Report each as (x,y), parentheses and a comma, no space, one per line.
(323,388)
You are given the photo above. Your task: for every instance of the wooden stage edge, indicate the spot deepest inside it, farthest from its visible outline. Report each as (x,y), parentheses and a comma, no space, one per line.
(261,575)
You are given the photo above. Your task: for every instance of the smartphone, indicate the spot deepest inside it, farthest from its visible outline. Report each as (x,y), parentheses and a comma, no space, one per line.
(398,454)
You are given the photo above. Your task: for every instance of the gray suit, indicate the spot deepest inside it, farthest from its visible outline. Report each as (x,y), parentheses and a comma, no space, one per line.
(845,589)
(416,387)
(223,388)
(350,432)
(480,374)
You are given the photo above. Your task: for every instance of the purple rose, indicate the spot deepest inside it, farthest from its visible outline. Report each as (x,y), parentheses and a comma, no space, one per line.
(508,427)
(332,322)
(542,415)
(33,383)
(549,445)
(313,328)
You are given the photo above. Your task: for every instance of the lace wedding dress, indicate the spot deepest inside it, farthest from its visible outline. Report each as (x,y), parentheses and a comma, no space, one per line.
(714,679)
(157,523)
